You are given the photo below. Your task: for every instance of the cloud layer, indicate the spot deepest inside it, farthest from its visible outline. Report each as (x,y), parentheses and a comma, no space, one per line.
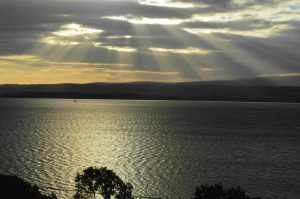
(152,40)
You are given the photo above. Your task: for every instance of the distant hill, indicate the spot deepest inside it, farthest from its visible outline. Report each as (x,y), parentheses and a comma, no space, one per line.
(264,81)
(285,89)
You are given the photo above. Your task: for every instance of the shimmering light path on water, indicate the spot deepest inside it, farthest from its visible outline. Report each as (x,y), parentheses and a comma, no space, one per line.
(164,148)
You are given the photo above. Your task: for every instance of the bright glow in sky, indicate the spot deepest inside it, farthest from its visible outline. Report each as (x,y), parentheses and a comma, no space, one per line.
(187,51)
(144,20)
(166,3)
(71,30)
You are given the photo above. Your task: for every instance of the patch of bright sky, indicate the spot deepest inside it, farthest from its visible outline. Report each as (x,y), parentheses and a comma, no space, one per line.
(33,60)
(71,30)
(263,33)
(120,49)
(56,41)
(188,51)
(166,3)
(19,58)
(145,20)
(70,35)
(119,37)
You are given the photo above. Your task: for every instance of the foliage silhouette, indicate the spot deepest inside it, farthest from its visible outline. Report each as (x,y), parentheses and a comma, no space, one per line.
(13,187)
(101,181)
(217,191)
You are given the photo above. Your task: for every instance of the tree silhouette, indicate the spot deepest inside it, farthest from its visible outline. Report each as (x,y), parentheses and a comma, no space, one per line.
(218,192)
(101,181)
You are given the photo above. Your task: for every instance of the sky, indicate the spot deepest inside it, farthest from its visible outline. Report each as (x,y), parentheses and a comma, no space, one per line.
(80,41)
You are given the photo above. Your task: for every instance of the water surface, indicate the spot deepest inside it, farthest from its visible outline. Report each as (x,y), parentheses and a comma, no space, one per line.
(164,148)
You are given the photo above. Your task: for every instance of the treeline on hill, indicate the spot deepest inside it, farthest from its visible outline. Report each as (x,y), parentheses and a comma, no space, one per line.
(157,91)
(100,182)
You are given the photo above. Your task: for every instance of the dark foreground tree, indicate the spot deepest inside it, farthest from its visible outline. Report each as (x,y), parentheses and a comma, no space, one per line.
(103,182)
(217,191)
(13,187)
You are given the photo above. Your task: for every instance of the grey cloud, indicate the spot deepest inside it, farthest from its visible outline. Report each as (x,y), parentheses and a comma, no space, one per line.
(281,52)
(23,22)
(234,25)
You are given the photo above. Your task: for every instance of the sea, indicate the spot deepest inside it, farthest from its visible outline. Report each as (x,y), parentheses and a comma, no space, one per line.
(163,148)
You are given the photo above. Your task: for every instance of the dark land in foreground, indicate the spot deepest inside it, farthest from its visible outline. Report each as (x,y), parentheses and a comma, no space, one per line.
(263,89)
(100,182)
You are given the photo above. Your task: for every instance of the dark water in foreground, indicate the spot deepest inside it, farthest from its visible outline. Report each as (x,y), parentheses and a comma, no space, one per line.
(164,148)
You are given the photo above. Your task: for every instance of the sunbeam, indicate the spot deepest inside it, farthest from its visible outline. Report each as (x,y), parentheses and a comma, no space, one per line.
(198,40)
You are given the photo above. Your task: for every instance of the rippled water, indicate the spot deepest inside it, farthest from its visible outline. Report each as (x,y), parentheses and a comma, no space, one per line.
(164,148)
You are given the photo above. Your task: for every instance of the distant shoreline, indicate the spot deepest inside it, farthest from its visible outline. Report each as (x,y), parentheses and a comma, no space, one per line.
(151,99)
(248,90)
